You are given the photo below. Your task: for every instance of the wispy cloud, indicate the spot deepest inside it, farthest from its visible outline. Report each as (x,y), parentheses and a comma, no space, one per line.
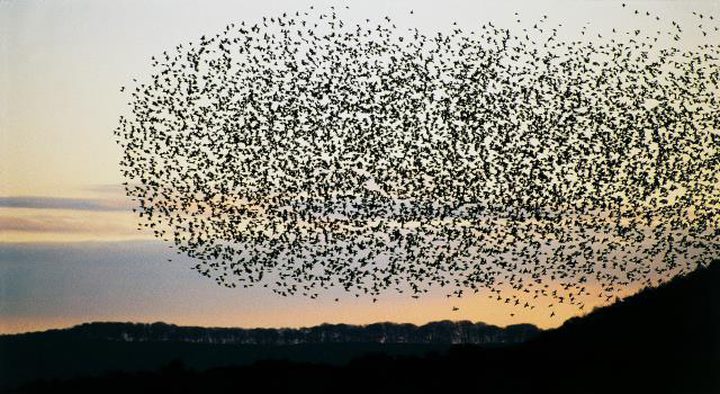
(75,204)
(106,189)
(63,224)
(67,225)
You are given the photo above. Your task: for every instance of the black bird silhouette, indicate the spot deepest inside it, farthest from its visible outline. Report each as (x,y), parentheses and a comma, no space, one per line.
(303,153)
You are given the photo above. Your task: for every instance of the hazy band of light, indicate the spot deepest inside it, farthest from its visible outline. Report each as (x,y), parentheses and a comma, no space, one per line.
(82,204)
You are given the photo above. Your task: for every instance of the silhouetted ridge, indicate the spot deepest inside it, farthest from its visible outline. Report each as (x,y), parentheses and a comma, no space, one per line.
(441,332)
(662,340)
(680,318)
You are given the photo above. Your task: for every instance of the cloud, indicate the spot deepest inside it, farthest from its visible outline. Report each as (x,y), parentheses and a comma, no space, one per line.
(64,225)
(60,224)
(111,188)
(75,204)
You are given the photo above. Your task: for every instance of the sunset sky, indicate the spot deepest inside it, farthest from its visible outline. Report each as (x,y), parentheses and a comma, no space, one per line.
(69,248)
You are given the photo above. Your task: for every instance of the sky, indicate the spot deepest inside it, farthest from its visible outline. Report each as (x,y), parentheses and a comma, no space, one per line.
(69,248)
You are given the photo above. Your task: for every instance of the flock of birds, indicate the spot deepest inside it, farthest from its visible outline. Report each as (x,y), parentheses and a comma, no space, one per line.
(304,152)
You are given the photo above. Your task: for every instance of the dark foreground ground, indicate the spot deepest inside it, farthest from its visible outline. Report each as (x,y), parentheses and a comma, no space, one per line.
(663,340)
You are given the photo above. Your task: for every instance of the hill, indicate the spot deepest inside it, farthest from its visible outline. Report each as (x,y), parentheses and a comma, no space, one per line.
(94,348)
(441,333)
(662,340)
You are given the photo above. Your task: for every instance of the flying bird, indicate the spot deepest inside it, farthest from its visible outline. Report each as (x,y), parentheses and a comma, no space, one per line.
(303,153)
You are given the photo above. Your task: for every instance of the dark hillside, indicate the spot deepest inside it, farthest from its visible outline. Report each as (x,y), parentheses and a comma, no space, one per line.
(662,340)
(95,348)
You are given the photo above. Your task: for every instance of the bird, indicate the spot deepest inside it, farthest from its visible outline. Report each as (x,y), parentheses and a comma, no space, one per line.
(303,153)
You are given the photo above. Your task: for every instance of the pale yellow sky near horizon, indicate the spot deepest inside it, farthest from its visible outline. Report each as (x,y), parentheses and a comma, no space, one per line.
(62,64)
